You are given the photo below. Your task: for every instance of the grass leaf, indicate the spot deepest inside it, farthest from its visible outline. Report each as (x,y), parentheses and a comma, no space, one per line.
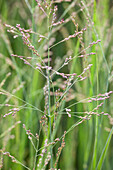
(102,157)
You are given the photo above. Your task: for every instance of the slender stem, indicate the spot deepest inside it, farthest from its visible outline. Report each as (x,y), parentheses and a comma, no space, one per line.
(31,115)
(95,153)
(48,82)
(96,127)
(33,24)
(29,7)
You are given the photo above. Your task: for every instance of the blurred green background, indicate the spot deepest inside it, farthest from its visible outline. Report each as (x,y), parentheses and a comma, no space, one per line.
(78,152)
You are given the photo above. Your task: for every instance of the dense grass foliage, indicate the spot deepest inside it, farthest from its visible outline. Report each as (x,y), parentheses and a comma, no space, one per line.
(56,87)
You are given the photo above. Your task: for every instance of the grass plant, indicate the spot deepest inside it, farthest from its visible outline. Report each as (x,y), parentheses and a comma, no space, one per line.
(56,85)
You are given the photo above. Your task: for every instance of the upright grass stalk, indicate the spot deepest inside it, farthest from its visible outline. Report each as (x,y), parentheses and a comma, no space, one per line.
(33,24)
(33,87)
(48,83)
(95,154)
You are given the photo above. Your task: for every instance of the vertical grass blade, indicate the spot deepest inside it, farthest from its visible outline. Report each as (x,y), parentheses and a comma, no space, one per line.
(103,155)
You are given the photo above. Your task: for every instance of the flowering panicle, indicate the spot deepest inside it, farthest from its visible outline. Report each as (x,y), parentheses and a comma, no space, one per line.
(25,36)
(22,58)
(68,112)
(30,135)
(60,149)
(100,97)
(27,61)
(67,60)
(11,28)
(94,42)
(93,112)
(44,123)
(72,36)
(47,159)
(10,156)
(12,112)
(66,76)
(41,8)
(58,88)
(69,37)
(46,98)
(54,14)
(58,23)
(92,53)
(13,159)
(43,67)
(43,152)
(53,23)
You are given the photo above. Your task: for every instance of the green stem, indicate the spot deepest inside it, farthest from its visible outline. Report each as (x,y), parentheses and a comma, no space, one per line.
(48,82)
(33,24)
(97,119)
(30,116)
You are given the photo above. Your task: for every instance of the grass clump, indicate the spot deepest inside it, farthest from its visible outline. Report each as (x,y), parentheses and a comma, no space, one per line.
(55,87)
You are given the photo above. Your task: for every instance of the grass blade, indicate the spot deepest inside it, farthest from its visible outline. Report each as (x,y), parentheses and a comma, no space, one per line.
(102,157)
